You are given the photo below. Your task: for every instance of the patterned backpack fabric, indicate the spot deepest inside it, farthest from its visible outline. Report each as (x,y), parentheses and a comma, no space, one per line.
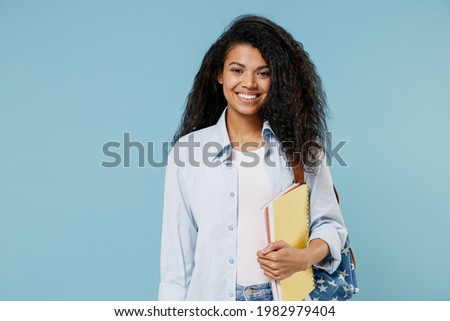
(339,286)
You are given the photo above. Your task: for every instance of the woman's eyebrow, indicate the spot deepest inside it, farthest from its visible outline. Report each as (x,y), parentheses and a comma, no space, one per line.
(243,66)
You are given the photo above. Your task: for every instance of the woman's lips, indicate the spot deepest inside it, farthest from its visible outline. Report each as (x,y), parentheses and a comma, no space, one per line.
(248,97)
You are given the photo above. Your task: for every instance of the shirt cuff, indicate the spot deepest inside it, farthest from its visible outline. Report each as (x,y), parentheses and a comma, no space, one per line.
(171,292)
(331,237)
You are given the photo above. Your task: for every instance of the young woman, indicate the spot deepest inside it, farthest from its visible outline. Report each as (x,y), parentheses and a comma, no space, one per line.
(256,105)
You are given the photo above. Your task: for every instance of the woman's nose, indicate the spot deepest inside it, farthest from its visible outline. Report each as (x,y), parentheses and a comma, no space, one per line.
(249,81)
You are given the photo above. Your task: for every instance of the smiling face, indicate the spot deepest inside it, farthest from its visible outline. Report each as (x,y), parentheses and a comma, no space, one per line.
(245,79)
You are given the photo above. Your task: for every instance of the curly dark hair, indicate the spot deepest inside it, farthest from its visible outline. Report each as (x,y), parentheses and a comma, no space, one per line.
(296,104)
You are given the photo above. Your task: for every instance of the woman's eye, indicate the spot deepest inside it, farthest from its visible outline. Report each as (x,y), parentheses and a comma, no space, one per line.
(265,73)
(236,71)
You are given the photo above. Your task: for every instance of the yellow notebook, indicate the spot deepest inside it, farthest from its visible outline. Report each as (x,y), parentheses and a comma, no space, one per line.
(287,219)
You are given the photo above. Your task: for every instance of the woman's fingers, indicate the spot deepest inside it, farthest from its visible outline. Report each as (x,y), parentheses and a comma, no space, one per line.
(274,246)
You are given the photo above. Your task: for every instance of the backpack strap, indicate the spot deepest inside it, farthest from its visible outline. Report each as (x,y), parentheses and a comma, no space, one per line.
(298,173)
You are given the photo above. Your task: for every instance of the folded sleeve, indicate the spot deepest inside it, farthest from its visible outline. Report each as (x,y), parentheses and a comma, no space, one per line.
(179,234)
(326,220)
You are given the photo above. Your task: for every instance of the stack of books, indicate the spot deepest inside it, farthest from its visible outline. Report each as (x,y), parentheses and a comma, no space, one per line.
(287,219)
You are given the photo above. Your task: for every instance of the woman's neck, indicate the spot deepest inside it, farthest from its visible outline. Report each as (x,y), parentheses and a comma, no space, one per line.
(244,131)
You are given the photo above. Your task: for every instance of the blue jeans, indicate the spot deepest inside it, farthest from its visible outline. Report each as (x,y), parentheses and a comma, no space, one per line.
(257,292)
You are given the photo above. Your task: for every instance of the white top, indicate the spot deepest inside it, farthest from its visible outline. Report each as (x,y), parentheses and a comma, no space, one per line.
(253,192)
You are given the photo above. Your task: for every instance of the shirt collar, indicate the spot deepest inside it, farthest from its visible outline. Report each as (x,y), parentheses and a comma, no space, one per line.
(267,131)
(220,135)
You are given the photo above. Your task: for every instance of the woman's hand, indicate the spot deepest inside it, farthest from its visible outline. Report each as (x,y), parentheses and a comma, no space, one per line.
(279,260)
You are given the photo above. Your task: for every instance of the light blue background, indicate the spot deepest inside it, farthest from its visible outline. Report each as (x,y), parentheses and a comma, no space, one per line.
(76,74)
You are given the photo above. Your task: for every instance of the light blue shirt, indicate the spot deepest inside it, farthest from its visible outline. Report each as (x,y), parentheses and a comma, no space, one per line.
(199,233)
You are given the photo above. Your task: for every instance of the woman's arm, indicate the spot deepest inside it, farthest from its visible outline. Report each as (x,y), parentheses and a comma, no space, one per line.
(179,235)
(326,221)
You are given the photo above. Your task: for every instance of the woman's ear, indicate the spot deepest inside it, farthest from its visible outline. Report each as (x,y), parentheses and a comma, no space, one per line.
(220,79)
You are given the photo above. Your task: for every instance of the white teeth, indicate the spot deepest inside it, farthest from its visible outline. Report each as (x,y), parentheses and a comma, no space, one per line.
(247,96)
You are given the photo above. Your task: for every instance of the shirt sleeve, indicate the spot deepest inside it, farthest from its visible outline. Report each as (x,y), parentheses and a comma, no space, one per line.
(179,234)
(325,215)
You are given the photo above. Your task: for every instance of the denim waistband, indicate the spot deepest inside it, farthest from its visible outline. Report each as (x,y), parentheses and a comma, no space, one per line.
(256,292)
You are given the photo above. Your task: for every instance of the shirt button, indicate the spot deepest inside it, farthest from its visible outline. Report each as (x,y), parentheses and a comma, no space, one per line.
(230,228)
(231,261)
(230,294)
(232,194)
